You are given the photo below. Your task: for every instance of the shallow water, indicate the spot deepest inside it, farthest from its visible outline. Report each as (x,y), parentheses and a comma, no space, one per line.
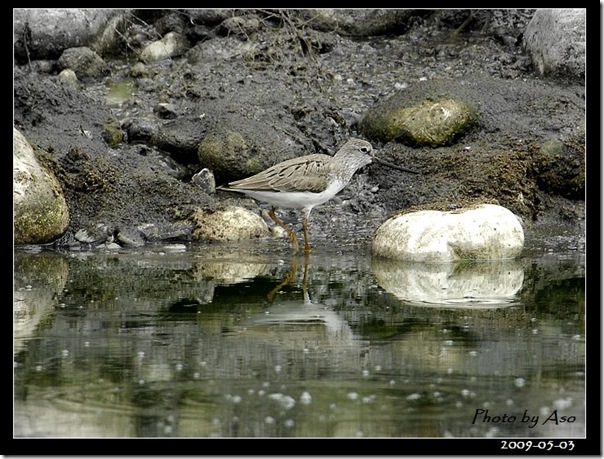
(231,340)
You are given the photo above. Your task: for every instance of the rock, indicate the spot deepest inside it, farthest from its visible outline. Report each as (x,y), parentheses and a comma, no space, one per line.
(173,44)
(69,78)
(40,210)
(233,154)
(484,232)
(86,64)
(229,224)
(95,235)
(44,33)
(555,39)
(205,180)
(239,25)
(432,122)
(165,110)
(358,22)
(112,132)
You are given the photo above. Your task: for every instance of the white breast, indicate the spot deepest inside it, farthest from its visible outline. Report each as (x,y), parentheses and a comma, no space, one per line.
(296,199)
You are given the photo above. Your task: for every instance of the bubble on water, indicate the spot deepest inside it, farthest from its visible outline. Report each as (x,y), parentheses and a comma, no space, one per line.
(196,375)
(369,399)
(261,392)
(519,382)
(392,382)
(289,423)
(465,392)
(509,402)
(86,343)
(414,396)
(448,342)
(492,432)
(332,406)
(288,402)
(65,353)
(378,368)
(269,420)
(236,399)
(39,367)
(545,411)
(141,382)
(365,372)
(473,353)
(563,403)
(305,398)
(352,395)
(277,368)
(178,367)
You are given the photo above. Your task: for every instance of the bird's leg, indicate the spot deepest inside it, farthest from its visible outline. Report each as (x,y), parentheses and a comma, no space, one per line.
(305,228)
(286,280)
(288,230)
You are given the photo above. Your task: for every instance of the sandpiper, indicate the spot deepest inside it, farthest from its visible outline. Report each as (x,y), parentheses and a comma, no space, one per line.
(307,181)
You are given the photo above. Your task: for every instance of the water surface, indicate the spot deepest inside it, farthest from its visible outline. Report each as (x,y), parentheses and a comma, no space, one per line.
(227,340)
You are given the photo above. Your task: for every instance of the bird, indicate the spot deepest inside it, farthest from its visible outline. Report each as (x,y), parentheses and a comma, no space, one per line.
(306,182)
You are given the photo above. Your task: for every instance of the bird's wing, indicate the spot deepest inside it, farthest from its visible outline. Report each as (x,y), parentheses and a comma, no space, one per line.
(306,173)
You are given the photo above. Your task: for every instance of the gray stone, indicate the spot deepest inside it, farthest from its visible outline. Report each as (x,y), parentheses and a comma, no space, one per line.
(555,39)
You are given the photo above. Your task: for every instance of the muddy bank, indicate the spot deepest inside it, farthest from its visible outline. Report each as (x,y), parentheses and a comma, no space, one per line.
(124,144)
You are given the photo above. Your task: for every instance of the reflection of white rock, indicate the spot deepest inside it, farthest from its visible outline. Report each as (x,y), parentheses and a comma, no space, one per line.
(39,278)
(485,232)
(471,284)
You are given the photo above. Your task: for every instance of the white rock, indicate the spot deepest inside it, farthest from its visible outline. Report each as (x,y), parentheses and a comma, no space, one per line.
(232,223)
(40,210)
(485,232)
(171,45)
(555,39)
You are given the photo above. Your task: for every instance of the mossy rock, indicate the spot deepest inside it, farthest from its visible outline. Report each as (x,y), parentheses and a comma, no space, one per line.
(432,122)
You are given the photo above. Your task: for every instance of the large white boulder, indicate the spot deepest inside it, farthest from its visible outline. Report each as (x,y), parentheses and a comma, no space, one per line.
(40,210)
(483,232)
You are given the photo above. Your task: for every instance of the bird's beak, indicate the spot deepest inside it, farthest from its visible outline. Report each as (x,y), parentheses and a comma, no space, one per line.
(394,166)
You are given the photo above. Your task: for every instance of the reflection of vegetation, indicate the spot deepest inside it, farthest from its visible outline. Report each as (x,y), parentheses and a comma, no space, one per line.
(377,329)
(564,298)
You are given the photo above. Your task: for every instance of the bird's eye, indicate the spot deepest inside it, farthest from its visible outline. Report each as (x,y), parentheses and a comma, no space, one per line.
(365,149)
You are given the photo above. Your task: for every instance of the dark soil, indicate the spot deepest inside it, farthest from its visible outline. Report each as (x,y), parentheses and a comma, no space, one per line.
(292,89)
